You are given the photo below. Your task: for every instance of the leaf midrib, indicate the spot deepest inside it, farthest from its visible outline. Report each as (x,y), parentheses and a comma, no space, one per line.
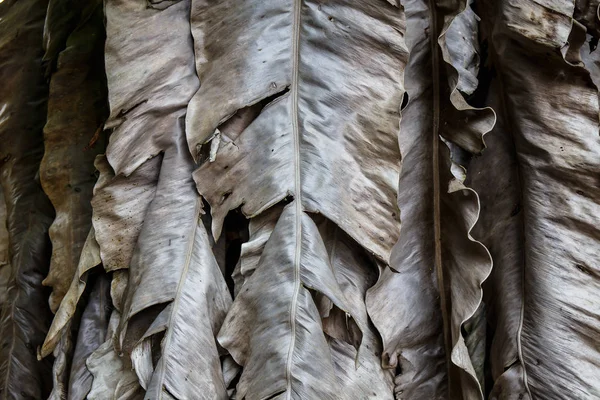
(435,71)
(297,191)
(180,285)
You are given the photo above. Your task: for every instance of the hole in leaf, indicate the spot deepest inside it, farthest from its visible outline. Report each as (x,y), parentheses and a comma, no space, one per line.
(405,100)
(235,233)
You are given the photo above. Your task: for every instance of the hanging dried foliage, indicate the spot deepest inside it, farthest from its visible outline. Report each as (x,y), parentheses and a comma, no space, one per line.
(300,199)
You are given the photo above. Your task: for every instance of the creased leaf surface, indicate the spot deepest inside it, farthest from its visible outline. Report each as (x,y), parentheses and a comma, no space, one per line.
(76,110)
(91,334)
(434,286)
(541,212)
(323,134)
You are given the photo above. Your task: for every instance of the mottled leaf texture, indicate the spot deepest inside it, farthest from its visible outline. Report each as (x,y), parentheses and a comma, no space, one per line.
(540,215)
(176,289)
(322,84)
(296,200)
(119,207)
(150,81)
(76,109)
(420,305)
(23,93)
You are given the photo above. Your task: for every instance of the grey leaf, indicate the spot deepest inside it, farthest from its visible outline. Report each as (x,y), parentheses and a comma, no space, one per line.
(541,209)
(434,287)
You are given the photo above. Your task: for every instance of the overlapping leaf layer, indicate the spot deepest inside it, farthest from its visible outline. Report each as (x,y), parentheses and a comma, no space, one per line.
(299,199)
